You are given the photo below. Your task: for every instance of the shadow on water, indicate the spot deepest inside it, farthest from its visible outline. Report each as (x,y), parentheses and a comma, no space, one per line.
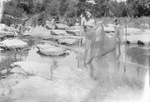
(139,55)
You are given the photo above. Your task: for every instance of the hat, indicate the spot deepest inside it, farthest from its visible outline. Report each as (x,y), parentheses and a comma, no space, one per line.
(88,12)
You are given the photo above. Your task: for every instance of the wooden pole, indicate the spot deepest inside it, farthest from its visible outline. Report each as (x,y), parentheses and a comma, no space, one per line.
(125,45)
(79,54)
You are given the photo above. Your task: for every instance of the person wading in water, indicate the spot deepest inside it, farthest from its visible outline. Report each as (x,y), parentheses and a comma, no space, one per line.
(88,23)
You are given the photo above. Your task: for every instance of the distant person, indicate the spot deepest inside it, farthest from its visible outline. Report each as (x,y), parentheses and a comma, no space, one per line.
(57,20)
(117,23)
(53,21)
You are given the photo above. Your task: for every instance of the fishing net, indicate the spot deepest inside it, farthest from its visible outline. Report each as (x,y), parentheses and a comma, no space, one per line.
(98,44)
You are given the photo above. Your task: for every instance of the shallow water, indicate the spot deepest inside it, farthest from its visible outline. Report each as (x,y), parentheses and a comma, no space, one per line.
(133,71)
(134,54)
(33,55)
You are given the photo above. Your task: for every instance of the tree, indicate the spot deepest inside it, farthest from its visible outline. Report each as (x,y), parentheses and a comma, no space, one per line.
(138,8)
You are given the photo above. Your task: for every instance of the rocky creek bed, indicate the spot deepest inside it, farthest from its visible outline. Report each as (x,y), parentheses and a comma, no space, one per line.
(33,77)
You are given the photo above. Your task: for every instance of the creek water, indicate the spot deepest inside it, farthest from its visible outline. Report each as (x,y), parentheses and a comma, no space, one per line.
(137,58)
(135,55)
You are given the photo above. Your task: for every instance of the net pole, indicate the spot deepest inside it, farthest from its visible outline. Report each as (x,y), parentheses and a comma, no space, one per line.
(125,44)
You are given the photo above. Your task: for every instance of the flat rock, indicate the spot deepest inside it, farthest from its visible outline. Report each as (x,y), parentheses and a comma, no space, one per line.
(75,30)
(38,32)
(67,41)
(13,44)
(109,29)
(61,26)
(35,68)
(50,50)
(59,32)
(6,33)
(50,26)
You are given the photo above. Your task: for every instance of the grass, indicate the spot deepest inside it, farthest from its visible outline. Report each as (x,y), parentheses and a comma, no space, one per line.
(110,78)
(6,62)
(108,84)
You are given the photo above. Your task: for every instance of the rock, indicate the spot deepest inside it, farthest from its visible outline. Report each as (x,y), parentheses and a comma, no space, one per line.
(50,26)
(50,50)
(38,32)
(109,29)
(110,25)
(61,26)
(6,33)
(35,68)
(144,26)
(67,41)
(58,32)
(2,26)
(13,44)
(143,39)
(140,42)
(3,72)
(17,70)
(75,30)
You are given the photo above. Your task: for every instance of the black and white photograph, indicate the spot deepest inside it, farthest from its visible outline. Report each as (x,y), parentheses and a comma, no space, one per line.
(74,50)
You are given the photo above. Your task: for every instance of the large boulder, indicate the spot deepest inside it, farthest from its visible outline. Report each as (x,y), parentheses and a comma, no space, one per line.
(61,26)
(13,44)
(33,68)
(50,50)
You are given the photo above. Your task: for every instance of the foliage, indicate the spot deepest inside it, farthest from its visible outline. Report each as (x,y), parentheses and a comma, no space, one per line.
(73,8)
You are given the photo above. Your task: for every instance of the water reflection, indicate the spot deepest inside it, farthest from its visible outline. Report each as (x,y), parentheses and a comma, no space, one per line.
(139,55)
(101,68)
(135,54)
